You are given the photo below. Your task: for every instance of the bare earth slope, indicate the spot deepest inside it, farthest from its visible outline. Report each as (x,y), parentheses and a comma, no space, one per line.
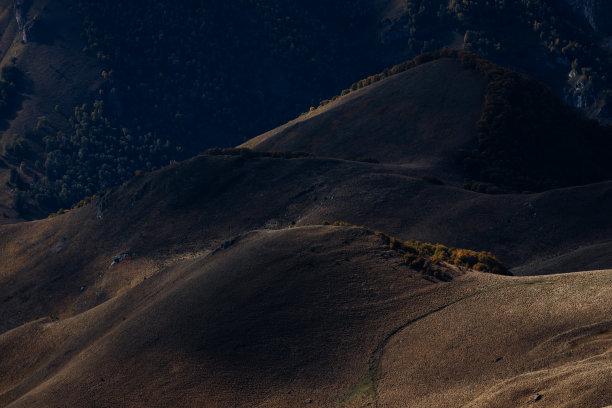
(324,316)
(418,118)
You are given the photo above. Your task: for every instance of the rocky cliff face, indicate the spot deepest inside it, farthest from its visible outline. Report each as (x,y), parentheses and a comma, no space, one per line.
(597,12)
(581,92)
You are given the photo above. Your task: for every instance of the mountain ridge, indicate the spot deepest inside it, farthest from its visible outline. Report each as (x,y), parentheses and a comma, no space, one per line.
(548,41)
(437,235)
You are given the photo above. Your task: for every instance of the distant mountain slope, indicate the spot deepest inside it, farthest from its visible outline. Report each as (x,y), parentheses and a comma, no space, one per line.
(319,316)
(162,92)
(137,85)
(458,115)
(597,12)
(418,118)
(561,43)
(210,73)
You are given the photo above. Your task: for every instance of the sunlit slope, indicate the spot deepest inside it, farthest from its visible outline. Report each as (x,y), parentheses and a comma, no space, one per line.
(274,319)
(327,316)
(535,340)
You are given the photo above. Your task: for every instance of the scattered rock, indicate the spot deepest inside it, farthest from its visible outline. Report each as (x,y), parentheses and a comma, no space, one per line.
(57,248)
(227,244)
(308,401)
(30,31)
(117,259)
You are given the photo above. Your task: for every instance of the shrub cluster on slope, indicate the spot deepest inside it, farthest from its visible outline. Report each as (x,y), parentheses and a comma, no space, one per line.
(528,139)
(424,257)
(94,156)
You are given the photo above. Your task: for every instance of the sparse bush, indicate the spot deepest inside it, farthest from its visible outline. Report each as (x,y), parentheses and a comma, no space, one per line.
(428,258)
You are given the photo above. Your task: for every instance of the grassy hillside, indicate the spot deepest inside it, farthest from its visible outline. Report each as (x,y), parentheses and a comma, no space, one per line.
(324,316)
(342,262)
(61,265)
(417,118)
(213,282)
(161,92)
(506,131)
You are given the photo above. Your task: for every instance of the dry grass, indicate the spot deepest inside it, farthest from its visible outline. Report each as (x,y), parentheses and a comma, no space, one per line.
(320,315)
(418,118)
(196,206)
(428,258)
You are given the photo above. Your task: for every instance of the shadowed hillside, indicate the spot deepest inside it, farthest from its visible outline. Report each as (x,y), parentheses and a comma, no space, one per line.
(62,266)
(136,85)
(322,316)
(149,90)
(457,115)
(437,235)
(418,118)
(99,102)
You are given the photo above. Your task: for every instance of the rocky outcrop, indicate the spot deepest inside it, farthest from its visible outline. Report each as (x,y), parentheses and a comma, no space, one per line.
(597,12)
(26,28)
(583,95)
(579,92)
